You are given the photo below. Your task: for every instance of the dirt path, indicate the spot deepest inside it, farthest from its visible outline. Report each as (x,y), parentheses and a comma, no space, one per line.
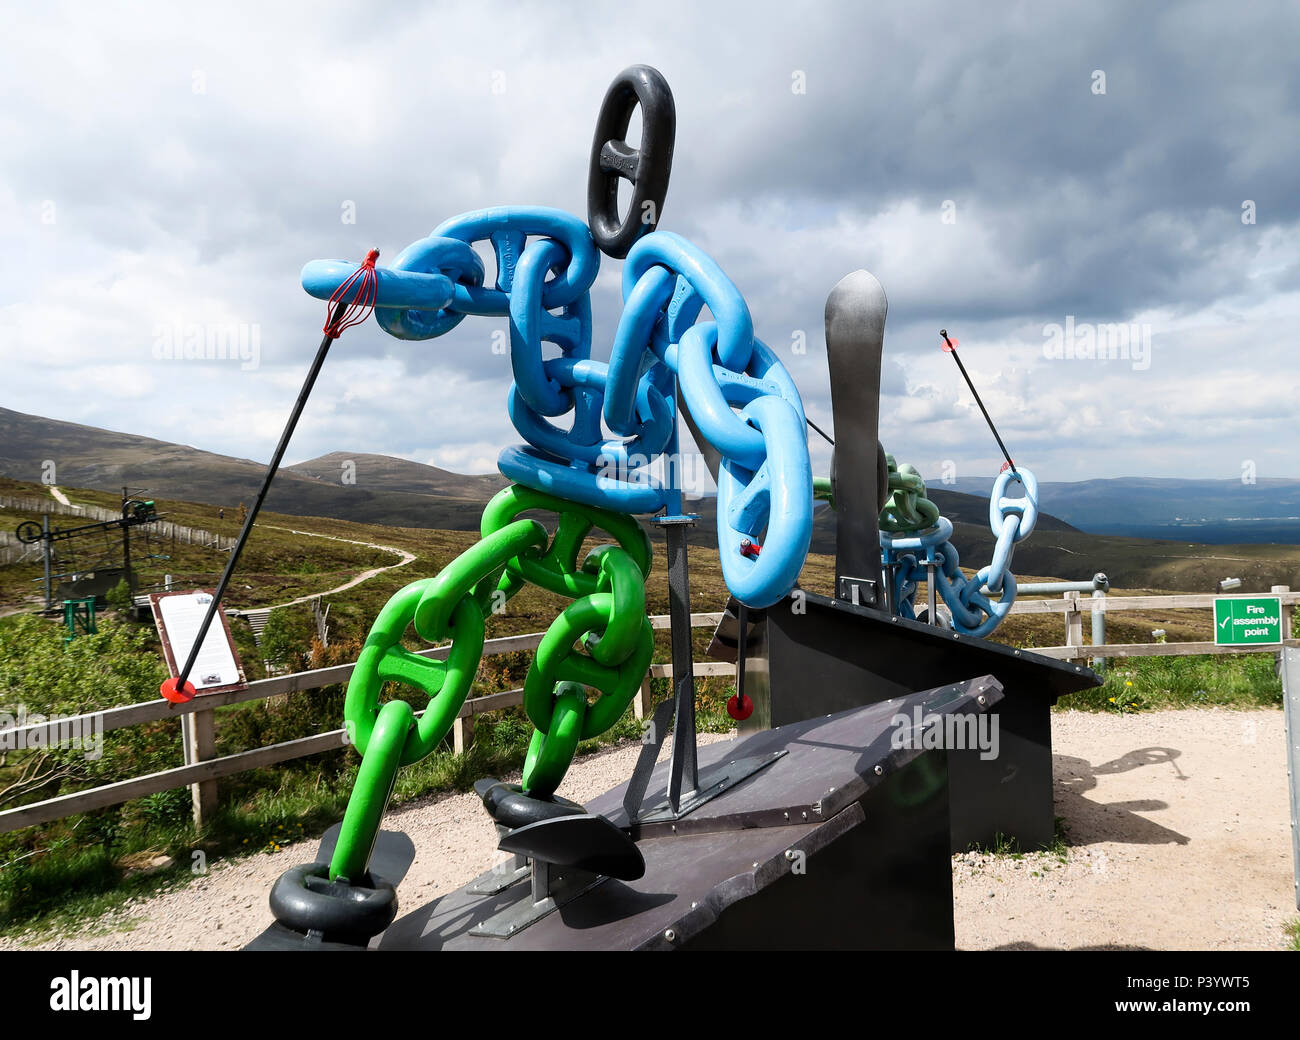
(1178,820)
(406,557)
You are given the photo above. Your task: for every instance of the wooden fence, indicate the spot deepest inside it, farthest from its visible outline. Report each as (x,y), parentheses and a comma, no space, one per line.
(203,768)
(1073,606)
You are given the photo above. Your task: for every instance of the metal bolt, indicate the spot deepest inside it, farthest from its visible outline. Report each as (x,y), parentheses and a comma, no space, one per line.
(786,815)
(670,935)
(880,770)
(982,699)
(789,853)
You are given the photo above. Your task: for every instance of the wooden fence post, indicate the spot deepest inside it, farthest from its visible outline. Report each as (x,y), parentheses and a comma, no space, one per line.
(641,702)
(198,736)
(1287,610)
(1073,622)
(462,733)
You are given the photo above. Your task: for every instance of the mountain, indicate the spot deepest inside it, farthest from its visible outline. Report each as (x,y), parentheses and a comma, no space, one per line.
(387,491)
(347,485)
(390,474)
(1214,512)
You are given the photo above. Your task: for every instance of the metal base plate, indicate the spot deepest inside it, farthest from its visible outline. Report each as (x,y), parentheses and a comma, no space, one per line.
(566,885)
(713,782)
(491,882)
(841,844)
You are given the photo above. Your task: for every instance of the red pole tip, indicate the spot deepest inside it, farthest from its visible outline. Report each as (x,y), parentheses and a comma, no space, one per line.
(1009,464)
(371,257)
(740,710)
(177,696)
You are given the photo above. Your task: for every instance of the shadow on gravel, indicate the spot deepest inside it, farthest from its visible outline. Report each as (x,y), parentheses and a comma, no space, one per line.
(1090,821)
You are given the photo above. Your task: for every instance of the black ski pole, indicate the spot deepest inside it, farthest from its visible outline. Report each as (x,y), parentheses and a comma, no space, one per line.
(178,689)
(950,345)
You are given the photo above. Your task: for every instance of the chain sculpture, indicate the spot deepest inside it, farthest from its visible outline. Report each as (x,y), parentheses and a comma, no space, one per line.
(592,431)
(914,542)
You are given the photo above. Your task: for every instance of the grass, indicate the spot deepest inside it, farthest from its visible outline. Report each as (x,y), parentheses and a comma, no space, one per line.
(1010,848)
(1293,935)
(1241,681)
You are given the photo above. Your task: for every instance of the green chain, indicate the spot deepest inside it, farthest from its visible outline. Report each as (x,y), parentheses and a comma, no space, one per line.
(907,510)
(453,604)
(608,615)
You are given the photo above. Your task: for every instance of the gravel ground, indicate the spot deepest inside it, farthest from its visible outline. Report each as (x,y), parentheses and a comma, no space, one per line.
(1177,823)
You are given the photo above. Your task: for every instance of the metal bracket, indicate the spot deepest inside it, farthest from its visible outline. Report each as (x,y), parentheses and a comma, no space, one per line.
(503,875)
(861,592)
(551,888)
(684,780)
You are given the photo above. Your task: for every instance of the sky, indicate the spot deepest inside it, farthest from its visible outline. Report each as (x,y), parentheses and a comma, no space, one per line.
(1021,174)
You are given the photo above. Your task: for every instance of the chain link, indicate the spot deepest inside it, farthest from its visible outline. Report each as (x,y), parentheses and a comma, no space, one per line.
(914,537)
(546,263)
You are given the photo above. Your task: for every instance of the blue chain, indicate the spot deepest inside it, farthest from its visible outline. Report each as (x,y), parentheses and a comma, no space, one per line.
(546,263)
(974,611)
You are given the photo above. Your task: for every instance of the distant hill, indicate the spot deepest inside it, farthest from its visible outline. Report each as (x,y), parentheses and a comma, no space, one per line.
(386,491)
(383,472)
(1215,512)
(346,485)
(400,493)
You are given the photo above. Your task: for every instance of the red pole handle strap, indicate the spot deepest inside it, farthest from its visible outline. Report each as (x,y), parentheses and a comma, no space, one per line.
(361,302)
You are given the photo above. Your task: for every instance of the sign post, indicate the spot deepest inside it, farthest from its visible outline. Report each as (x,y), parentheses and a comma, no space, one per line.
(1247,620)
(217,669)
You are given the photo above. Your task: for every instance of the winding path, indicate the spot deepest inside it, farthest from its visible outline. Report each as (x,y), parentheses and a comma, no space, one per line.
(406,557)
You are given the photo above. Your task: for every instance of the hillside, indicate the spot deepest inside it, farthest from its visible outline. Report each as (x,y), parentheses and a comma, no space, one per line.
(386,491)
(356,486)
(401,493)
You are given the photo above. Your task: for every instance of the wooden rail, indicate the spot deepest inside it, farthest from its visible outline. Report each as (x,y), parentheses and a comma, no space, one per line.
(203,767)
(1073,606)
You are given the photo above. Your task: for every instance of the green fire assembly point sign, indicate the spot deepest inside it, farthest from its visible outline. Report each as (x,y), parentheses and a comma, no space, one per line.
(1247,620)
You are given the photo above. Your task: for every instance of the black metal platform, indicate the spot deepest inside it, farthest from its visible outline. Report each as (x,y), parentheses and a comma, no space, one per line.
(834,655)
(841,842)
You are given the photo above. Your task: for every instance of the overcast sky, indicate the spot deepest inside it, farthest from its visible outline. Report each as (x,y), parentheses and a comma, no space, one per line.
(1002,168)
